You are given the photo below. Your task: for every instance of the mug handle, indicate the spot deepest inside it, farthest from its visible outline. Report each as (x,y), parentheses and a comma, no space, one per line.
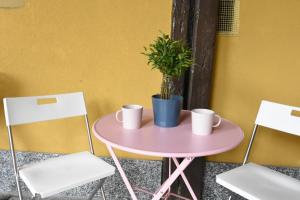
(219,121)
(117,114)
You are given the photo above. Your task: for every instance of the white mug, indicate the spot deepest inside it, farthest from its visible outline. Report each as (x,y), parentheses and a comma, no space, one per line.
(131,116)
(202,121)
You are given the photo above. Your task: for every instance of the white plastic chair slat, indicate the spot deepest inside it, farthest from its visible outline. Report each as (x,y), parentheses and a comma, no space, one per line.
(278,117)
(23,110)
(256,182)
(55,175)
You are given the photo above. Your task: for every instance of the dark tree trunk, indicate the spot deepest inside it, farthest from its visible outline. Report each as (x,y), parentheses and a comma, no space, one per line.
(181,27)
(203,45)
(194,22)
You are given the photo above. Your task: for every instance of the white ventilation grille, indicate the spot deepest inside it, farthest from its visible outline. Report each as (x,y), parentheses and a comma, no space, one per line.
(229,17)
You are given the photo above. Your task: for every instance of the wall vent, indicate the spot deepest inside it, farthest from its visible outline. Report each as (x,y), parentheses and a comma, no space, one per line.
(11,3)
(229,17)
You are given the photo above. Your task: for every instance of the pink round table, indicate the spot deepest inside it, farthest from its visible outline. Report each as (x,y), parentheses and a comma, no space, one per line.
(176,142)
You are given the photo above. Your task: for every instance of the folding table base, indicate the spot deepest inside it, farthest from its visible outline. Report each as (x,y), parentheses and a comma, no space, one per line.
(166,196)
(164,190)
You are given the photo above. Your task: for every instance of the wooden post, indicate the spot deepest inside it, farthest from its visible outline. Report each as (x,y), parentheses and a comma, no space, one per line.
(180,31)
(203,46)
(195,22)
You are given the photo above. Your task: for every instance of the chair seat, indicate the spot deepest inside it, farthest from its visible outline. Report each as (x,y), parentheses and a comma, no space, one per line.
(256,182)
(58,174)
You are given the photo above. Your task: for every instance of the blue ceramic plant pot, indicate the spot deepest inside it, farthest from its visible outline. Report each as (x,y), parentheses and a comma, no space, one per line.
(166,111)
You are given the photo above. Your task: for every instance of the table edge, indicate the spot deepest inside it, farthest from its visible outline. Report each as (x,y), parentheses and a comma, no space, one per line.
(161,154)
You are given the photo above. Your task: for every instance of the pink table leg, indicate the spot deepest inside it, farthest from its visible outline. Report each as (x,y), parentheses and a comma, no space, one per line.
(185,181)
(170,169)
(123,175)
(166,185)
(172,178)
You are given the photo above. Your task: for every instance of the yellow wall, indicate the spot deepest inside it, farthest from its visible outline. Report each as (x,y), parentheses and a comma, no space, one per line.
(94,46)
(261,63)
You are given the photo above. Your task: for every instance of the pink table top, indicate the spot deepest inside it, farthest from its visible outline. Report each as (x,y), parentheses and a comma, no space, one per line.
(167,142)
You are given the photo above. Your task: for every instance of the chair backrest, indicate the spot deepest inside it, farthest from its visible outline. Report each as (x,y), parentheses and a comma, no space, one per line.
(275,116)
(279,117)
(23,110)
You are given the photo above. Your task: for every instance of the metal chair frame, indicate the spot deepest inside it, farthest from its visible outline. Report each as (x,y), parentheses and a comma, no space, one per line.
(269,116)
(15,166)
(284,109)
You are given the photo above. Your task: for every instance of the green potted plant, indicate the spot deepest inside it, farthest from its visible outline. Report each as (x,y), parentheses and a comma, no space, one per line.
(171,58)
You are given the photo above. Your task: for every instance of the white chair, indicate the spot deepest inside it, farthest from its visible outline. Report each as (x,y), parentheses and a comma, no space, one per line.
(256,182)
(52,176)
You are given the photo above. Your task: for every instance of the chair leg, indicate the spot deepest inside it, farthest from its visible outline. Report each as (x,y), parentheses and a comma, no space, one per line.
(14,160)
(103,194)
(19,188)
(36,197)
(99,186)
